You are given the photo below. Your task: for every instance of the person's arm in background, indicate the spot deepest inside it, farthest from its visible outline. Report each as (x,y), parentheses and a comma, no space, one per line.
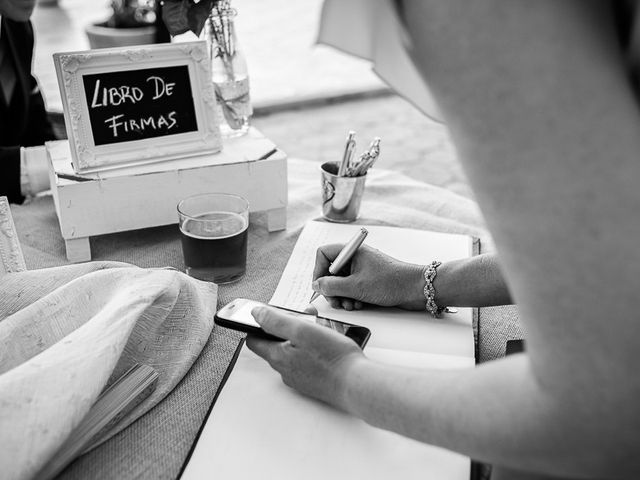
(24,172)
(38,131)
(37,128)
(40,128)
(10,178)
(543,116)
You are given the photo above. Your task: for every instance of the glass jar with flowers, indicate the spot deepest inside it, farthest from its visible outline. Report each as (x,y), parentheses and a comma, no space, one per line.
(229,72)
(214,20)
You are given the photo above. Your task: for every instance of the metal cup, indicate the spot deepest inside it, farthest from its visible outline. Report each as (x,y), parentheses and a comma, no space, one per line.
(341,196)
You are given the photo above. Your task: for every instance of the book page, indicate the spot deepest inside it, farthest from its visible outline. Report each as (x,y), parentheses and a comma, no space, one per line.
(390,327)
(260,428)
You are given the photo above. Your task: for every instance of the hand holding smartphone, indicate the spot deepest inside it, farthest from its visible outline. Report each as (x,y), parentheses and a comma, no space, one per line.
(237,316)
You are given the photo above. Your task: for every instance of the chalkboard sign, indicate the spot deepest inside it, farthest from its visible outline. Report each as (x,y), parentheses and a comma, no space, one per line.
(139,104)
(133,105)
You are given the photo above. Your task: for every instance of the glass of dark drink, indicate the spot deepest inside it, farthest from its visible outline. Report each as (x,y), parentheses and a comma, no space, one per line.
(213,230)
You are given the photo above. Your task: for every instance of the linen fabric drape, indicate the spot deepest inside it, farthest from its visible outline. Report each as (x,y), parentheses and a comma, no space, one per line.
(67,332)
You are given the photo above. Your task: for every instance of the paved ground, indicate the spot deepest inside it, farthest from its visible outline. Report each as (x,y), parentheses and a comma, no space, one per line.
(278,37)
(288,73)
(411,143)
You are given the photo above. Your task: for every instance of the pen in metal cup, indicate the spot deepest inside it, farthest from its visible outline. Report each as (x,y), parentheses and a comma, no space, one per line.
(366,160)
(374,148)
(370,157)
(364,167)
(348,153)
(345,255)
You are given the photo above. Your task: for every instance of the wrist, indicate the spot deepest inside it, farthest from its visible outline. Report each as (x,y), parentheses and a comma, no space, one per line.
(430,273)
(437,286)
(350,383)
(412,288)
(441,286)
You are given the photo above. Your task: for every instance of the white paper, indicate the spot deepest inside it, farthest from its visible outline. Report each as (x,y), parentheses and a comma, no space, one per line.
(260,428)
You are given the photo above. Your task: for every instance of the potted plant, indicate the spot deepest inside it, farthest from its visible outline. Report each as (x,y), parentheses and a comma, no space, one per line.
(132,22)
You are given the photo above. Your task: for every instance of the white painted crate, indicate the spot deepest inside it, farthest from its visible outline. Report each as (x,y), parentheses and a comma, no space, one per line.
(146,196)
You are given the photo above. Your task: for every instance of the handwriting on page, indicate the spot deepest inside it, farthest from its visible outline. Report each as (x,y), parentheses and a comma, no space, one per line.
(294,289)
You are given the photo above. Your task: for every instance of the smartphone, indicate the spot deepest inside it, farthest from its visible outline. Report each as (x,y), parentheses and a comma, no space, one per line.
(237,316)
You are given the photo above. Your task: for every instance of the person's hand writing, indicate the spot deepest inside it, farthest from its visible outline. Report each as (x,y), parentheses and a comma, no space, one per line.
(371,277)
(313,360)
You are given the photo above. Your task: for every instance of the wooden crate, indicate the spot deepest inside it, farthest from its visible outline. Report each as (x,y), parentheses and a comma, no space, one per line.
(147,195)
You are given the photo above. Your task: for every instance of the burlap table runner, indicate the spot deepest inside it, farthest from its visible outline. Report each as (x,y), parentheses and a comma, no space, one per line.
(156,445)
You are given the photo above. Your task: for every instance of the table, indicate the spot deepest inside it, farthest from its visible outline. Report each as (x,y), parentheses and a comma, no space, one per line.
(156,445)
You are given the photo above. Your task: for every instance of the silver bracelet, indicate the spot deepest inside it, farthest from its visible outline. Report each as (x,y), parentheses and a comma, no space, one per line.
(430,273)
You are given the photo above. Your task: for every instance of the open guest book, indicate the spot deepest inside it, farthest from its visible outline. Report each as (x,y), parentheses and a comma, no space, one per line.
(260,428)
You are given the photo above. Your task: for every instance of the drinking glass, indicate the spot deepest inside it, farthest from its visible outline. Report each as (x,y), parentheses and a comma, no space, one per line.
(213,230)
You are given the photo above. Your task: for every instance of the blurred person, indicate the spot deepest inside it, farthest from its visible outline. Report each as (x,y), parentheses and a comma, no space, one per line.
(23,119)
(542,104)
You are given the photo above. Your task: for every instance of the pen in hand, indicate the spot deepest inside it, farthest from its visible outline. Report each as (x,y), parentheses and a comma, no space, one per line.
(345,255)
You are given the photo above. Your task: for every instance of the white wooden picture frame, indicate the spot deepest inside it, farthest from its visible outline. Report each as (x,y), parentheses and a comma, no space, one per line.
(11,258)
(91,156)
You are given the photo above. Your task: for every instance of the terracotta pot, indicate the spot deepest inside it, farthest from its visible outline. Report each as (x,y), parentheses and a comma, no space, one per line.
(107,37)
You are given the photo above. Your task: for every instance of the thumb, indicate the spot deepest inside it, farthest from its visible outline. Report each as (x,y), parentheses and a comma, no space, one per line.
(331,286)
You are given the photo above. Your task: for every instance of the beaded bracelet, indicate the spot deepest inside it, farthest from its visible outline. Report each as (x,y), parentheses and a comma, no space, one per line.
(430,273)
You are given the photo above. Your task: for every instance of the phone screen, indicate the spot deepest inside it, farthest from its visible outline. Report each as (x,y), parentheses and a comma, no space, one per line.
(238,313)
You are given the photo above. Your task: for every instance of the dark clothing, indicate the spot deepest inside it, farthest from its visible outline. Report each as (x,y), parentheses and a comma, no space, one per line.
(23,119)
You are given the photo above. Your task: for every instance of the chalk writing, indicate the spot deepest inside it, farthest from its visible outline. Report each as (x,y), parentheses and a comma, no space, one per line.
(140,104)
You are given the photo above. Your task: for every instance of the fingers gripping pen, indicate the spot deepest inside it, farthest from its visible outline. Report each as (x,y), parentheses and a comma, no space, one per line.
(345,255)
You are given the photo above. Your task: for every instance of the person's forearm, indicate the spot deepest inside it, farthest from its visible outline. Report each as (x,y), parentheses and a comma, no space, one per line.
(468,282)
(471,282)
(10,178)
(498,413)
